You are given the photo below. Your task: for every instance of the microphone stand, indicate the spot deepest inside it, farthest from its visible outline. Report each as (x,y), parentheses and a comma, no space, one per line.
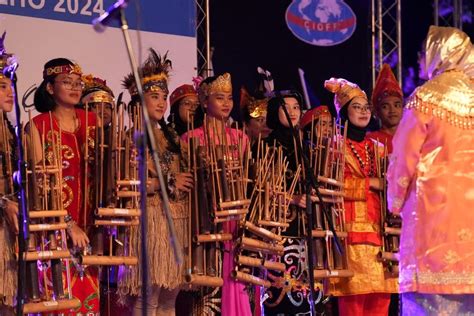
(310,182)
(148,137)
(23,217)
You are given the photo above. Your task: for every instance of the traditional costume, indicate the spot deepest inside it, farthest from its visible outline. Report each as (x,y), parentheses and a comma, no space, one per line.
(8,264)
(367,292)
(232,299)
(76,170)
(165,276)
(430,181)
(289,293)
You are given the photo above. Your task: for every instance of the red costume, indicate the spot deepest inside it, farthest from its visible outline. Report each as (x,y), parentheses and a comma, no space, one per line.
(84,283)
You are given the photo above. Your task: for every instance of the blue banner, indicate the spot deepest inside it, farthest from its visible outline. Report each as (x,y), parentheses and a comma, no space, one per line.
(177,17)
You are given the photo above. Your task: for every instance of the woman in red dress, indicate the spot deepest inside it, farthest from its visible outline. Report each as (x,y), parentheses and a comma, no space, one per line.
(60,122)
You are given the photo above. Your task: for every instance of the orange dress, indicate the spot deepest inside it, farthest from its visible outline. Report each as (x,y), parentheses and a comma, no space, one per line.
(431,185)
(362,214)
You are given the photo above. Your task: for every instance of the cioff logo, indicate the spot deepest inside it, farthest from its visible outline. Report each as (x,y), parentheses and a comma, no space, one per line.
(321,23)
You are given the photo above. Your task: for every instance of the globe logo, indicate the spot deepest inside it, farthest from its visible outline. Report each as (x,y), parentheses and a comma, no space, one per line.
(321,22)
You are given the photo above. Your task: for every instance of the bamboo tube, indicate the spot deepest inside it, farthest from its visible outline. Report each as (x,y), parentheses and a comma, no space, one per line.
(248,278)
(230,212)
(323,274)
(392,231)
(47,227)
(330,192)
(227,219)
(50,306)
(117,222)
(262,232)
(128,194)
(273,224)
(203,280)
(47,213)
(331,181)
(260,263)
(257,245)
(235,203)
(389,256)
(128,182)
(211,238)
(47,255)
(327,233)
(124,212)
(109,260)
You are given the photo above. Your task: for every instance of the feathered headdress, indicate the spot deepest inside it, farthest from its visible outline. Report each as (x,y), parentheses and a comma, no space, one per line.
(5,59)
(155,73)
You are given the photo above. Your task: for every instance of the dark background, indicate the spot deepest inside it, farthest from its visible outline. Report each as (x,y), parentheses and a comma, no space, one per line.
(246,34)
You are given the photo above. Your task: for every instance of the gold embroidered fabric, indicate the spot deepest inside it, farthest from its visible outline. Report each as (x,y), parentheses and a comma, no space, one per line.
(449,97)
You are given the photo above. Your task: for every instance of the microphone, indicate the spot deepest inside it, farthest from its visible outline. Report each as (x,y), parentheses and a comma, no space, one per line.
(100,24)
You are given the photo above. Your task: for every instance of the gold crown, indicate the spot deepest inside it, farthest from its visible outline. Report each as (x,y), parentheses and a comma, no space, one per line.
(98,97)
(221,84)
(258,108)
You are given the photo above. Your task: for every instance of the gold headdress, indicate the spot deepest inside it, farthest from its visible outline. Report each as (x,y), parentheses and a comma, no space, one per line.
(96,90)
(221,84)
(448,48)
(448,95)
(344,91)
(255,107)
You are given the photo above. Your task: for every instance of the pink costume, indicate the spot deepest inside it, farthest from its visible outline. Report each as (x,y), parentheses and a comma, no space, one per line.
(431,175)
(235,301)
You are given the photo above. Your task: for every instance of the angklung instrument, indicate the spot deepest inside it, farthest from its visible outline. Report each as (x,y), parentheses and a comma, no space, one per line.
(219,167)
(47,245)
(327,158)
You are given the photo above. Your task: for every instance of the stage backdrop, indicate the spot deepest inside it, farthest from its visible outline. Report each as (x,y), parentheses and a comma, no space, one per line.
(39,30)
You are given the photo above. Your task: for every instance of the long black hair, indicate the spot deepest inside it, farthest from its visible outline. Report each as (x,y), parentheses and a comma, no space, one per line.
(44,101)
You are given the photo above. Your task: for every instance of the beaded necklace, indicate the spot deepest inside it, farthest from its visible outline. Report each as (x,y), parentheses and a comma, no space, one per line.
(367,166)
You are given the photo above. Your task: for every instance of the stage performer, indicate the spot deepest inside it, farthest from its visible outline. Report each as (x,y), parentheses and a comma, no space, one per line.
(8,204)
(215,95)
(185,109)
(430,180)
(165,276)
(368,291)
(59,120)
(289,291)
